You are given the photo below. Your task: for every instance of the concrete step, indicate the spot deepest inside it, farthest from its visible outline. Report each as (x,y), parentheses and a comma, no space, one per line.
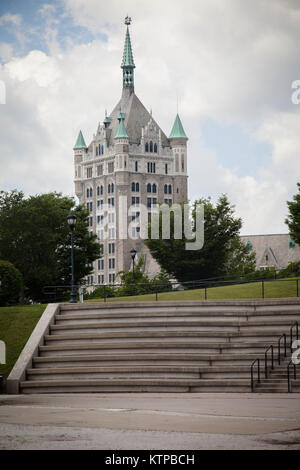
(166,371)
(183,324)
(92,347)
(145,359)
(134,385)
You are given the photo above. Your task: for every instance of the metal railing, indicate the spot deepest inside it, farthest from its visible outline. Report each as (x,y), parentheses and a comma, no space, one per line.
(266,359)
(57,293)
(258,373)
(295,324)
(283,337)
(279,351)
(289,376)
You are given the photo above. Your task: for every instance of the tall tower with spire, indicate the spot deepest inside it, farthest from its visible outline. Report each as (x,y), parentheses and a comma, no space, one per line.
(129,167)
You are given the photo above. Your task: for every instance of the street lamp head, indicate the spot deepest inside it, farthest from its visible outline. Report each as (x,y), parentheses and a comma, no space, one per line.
(133,252)
(72,221)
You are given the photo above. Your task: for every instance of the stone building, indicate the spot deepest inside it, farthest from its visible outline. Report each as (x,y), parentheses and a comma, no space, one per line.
(129,164)
(273,251)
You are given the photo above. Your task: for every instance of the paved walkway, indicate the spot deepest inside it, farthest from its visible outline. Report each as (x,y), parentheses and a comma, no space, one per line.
(160,421)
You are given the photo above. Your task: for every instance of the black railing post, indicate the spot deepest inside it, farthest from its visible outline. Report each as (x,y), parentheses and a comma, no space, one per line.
(258,373)
(279,352)
(291,333)
(288,375)
(266,359)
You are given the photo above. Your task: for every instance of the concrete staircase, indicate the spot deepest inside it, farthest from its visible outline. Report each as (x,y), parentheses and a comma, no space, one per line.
(204,346)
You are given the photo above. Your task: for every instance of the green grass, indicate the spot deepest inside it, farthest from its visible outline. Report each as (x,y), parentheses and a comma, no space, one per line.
(16,325)
(272,289)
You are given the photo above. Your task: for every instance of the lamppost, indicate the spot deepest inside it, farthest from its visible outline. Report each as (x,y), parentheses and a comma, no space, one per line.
(133,253)
(72,222)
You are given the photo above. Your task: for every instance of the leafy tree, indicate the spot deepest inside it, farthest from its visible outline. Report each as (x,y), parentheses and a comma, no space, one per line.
(35,237)
(11,283)
(293,220)
(223,253)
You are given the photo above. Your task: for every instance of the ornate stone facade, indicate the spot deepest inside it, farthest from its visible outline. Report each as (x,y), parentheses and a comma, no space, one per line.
(129,164)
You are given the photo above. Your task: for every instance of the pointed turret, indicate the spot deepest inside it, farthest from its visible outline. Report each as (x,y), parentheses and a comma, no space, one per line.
(121,132)
(177,131)
(127,62)
(178,141)
(80,143)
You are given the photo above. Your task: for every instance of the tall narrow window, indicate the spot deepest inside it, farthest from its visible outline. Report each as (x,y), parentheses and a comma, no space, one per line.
(136,166)
(155,148)
(151,146)
(146,147)
(133,187)
(137,187)
(148,188)
(154,188)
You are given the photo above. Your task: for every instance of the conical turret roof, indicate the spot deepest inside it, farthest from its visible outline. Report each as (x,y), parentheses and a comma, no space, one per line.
(80,143)
(177,131)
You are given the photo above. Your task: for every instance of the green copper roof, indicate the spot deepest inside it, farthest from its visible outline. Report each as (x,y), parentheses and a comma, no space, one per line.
(80,143)
(127,54)
(121,132)
(177,130)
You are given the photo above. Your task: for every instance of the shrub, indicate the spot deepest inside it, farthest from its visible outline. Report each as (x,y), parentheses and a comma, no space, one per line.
(11,283)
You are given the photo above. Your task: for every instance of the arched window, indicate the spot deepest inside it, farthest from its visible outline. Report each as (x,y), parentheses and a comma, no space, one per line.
(101,190)
(102,149)
(137,187)
(108,188)
(154,188)
(148,188)
(96,151)
(136,166)
(91,192)
(151,146)
(98,190)
(133,187)
(166,189)
(170,189)
(88,192)
(146,147)
(99,151)
(112,187)
(155,148)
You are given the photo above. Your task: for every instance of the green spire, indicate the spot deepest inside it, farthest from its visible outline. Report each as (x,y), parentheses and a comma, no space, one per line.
(177,130)
(80,143)
(121,132)
(127,54)
(127,61)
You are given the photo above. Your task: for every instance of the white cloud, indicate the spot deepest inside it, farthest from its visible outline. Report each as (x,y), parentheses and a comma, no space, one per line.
(232,61)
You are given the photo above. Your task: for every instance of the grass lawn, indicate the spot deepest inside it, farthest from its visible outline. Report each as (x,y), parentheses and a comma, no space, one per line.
(272,289)
(16,325)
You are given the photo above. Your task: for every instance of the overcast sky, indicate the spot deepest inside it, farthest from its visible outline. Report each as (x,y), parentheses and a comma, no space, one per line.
(231,63)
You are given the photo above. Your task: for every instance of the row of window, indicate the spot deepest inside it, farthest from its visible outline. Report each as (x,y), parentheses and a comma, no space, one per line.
(151,168)
(149,147)
(111,278)
(99,149)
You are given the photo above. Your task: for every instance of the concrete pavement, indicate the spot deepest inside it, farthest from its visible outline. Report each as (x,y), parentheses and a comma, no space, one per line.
(150,421)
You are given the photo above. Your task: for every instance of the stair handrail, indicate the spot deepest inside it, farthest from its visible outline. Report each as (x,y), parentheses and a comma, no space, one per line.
(279,340)
(258,372)
(288,374)
(266,359)
(295,324)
